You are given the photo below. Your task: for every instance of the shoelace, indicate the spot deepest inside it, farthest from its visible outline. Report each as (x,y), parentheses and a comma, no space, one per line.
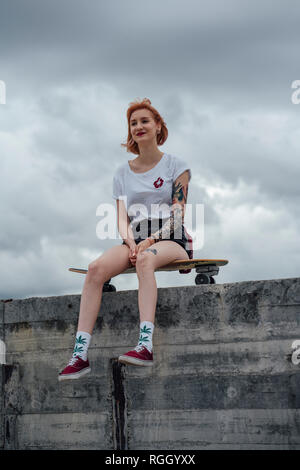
(139,347)
(73,360)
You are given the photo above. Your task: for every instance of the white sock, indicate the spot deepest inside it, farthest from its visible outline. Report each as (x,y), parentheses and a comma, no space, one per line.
(82,343)
(146,332)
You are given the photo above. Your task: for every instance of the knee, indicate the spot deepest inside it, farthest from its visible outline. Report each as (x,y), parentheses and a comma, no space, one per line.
(144,262)
(96,271)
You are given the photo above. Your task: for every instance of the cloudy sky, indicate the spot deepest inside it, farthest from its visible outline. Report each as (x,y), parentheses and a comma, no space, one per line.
(219,72)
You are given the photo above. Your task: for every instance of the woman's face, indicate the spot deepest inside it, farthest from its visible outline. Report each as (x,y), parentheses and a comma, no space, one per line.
(142,122)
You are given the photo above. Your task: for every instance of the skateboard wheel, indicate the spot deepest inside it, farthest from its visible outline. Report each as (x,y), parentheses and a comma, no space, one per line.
(202,279)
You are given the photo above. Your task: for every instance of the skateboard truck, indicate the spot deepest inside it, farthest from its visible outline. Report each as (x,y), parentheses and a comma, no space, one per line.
(205,274)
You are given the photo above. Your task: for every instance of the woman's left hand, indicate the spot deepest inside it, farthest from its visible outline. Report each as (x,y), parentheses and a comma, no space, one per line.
(143,246)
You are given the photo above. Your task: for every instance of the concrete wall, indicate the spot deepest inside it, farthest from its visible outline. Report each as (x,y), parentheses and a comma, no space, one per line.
(223,376)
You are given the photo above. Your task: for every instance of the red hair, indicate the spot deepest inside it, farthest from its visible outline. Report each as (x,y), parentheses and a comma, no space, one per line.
(131,145)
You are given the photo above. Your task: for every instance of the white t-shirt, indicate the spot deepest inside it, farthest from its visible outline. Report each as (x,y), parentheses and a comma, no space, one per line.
(148,195)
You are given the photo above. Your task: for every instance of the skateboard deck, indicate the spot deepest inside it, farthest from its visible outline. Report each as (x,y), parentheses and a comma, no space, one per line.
(206,269)
(174,266)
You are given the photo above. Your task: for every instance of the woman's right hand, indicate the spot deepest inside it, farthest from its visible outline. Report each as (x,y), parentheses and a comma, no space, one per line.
(132,253)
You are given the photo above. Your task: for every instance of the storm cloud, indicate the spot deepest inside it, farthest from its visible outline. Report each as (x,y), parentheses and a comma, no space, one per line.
(220,73)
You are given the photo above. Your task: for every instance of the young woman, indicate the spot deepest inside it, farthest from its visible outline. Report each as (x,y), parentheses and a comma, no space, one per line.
(151,192)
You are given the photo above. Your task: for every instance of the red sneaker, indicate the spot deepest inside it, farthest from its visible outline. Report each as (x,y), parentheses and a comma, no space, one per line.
(140,356)
(76,368)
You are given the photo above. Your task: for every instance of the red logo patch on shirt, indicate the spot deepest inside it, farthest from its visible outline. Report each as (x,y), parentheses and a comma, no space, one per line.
(159,182)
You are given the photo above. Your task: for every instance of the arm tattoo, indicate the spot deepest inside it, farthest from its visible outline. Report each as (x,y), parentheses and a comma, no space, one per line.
(179,197)
(179,192)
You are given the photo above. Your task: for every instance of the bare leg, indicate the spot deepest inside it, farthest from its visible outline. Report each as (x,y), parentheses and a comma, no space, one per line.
(114,261)
(146,263)
(90,303)
(161,253)
(147,295)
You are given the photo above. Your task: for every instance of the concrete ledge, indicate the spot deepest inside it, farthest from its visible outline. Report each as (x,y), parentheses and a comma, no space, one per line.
(223,377)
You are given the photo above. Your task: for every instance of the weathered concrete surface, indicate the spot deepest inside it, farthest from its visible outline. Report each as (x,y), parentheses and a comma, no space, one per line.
(223,377)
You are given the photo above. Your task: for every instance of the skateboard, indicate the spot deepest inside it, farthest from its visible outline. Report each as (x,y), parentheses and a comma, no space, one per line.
(206,269)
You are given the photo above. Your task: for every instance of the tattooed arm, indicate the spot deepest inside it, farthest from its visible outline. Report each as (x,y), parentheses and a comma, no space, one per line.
(179,198)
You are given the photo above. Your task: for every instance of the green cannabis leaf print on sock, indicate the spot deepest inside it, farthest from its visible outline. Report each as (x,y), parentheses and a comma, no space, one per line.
(146,331)
(78,349)
(143,339)
(80,340)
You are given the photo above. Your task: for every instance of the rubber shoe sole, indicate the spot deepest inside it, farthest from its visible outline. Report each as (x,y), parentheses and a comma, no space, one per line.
(76,375)
(134,361)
